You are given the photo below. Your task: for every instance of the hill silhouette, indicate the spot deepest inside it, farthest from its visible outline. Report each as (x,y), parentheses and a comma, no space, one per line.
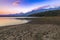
(47,13)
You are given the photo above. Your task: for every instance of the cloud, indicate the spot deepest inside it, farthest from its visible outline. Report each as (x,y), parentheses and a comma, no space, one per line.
(16,3)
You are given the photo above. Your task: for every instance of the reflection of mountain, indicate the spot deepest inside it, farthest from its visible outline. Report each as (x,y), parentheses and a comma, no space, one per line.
(37,12)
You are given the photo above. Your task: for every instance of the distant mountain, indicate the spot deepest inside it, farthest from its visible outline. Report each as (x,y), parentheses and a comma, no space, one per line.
(13,15)
(47,13)
(38,11)
(17,14)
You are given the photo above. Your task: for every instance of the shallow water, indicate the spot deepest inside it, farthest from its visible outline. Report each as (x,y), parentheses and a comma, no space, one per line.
(12,21)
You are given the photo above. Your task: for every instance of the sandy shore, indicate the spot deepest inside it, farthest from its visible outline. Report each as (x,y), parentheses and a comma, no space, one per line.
(37,29)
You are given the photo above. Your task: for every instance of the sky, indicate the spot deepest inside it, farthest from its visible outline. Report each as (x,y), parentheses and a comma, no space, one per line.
(18,6)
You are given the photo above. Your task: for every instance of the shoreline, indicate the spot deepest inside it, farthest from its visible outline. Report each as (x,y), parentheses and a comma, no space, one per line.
(29,23)
(37,29)
(43,20)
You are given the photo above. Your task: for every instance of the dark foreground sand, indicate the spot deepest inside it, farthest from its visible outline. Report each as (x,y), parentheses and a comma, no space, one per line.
(37,29)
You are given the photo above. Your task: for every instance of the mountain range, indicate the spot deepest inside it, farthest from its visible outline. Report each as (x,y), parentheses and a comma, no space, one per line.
(39,10)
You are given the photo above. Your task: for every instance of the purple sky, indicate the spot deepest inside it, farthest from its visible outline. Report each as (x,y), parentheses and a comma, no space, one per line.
(17,6)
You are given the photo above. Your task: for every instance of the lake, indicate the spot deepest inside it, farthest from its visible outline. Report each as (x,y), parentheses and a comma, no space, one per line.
(12,21)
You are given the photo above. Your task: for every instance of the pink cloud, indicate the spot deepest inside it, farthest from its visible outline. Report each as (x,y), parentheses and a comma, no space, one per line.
(16,3)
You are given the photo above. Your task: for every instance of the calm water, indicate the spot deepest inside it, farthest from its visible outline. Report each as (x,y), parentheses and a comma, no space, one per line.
(11,21)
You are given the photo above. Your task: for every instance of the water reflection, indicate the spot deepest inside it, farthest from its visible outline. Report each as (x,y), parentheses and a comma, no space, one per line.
(10,21)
